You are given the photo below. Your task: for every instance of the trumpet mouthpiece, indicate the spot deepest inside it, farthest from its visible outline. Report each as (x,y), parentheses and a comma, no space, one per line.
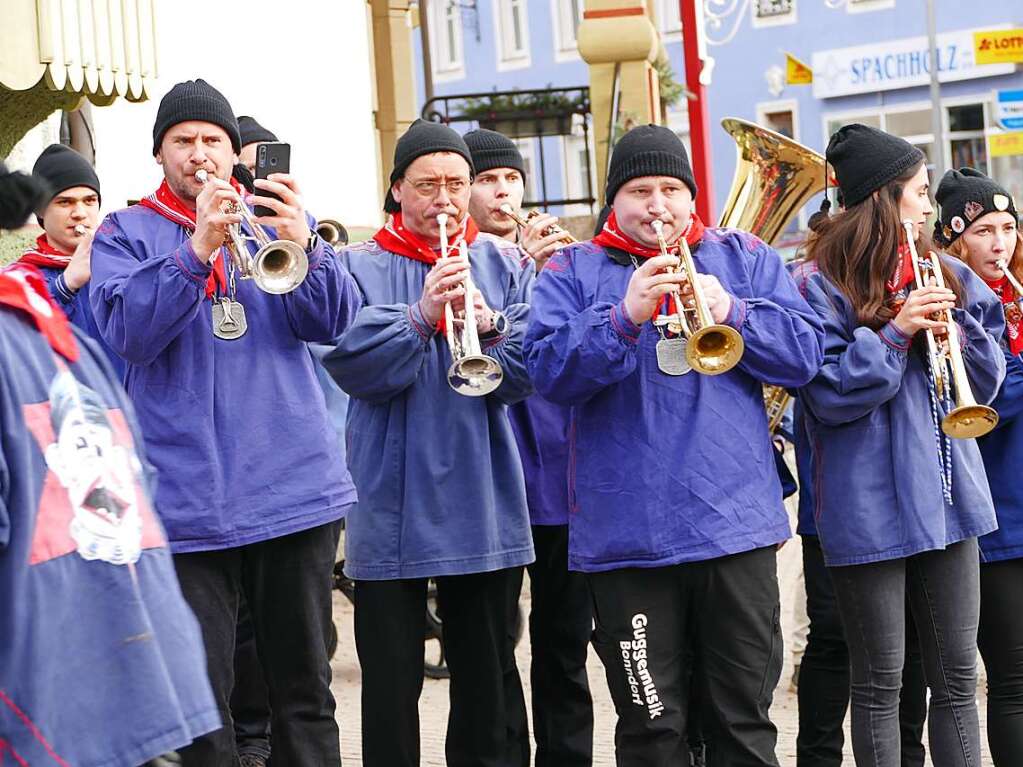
(506,209)
(442,220)
(80,229)
(201,176)
(658,226)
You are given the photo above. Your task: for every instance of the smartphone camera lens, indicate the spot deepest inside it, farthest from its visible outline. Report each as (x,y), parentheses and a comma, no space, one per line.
(273,161)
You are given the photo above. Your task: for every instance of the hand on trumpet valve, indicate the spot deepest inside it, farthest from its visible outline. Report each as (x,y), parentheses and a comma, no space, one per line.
(541,237)
(719,300)
(289,219)
(444,283)
(923,309)
(79,269)
(214,213)
(648,286)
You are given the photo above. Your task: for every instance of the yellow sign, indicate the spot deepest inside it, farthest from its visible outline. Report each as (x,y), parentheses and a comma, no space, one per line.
(998,46)
(796,72)
(1005,144)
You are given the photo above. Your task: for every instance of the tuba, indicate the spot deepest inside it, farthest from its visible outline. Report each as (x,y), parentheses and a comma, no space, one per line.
(967,419)
(279,266)
(472,373)
(710,349)
(774,177)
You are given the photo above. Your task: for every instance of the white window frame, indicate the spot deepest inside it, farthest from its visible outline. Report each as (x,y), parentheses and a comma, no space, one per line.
(774,21)
(527,148)
(784,105)
(982,98)
(867,6)
(560,9)
(508,60)
(445,70)
(668,35)
(572,170)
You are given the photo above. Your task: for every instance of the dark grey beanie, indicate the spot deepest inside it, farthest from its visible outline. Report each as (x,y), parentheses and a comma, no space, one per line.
(195,100)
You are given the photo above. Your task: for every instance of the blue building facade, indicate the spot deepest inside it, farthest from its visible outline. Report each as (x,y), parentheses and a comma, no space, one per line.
(870,62)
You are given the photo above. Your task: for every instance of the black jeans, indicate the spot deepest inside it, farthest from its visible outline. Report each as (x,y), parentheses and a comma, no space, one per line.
(823,691)
(1001,645)
(250,700)
(650,624)
(287,584)
(944,594)
(560,624)
(390,623)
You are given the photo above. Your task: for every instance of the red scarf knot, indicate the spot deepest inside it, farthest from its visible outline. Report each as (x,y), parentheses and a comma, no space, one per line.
(45,256)
(1013,313)
(173,208)
(394,237)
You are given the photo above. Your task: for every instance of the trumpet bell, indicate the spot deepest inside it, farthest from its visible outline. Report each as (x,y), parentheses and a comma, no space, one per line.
(475,376)
(969,421)
(714,350)
(332,232)
(280,266)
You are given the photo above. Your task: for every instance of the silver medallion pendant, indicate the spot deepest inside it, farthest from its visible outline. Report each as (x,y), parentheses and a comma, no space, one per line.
(671,356)
(229,320)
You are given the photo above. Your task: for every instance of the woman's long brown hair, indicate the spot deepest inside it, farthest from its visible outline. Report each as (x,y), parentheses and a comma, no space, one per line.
(857,250)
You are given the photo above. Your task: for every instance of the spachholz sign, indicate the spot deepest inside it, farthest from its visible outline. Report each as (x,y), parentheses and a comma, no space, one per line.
(903,63)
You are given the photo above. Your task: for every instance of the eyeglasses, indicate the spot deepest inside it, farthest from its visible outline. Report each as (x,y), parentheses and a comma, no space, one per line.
(431,188)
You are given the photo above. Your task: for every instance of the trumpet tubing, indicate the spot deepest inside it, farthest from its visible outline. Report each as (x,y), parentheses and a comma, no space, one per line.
(776,402)
(968,419)
(279,266)
(472,373)
(711,349)
(518,218)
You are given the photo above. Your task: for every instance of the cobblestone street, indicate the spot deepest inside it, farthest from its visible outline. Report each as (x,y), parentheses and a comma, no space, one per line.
(433,706)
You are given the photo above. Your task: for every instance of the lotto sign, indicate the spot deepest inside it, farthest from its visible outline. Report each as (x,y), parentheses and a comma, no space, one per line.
(1001,46)
(1005,144)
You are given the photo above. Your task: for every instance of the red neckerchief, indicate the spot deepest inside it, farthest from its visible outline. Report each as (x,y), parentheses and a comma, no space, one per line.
(44,255)
(23,287)
(395,238)
(1013,313)
(903,270)
(611,236)
(171,207)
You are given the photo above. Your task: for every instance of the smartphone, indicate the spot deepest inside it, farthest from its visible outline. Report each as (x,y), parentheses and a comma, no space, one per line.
(271,158)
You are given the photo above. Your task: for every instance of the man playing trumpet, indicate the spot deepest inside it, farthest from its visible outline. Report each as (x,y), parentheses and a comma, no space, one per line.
(676,499)
(441,492)
(63,252)
(252,484)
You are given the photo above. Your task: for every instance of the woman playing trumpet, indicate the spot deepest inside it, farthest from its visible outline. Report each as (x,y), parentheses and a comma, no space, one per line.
(979,224)
(899,503)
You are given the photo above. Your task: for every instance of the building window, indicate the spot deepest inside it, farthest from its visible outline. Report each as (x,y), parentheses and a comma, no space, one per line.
(966,137)
(669,17)
(513,32)
(568,14)
(772,9)
(446,29)
(527,150)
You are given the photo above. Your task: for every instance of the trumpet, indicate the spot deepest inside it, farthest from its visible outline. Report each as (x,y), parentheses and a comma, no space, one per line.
(1004,266)
(472,373)
(279,266)
(711,349)
(510,212)
(967,419)
(332,232)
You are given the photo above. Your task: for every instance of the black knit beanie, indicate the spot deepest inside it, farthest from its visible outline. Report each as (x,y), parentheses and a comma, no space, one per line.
(252,132)
(491,149)
(20,195)
(195,100)
(61,167)
(648,150)
(865,159)
(423,137)
(964,196)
